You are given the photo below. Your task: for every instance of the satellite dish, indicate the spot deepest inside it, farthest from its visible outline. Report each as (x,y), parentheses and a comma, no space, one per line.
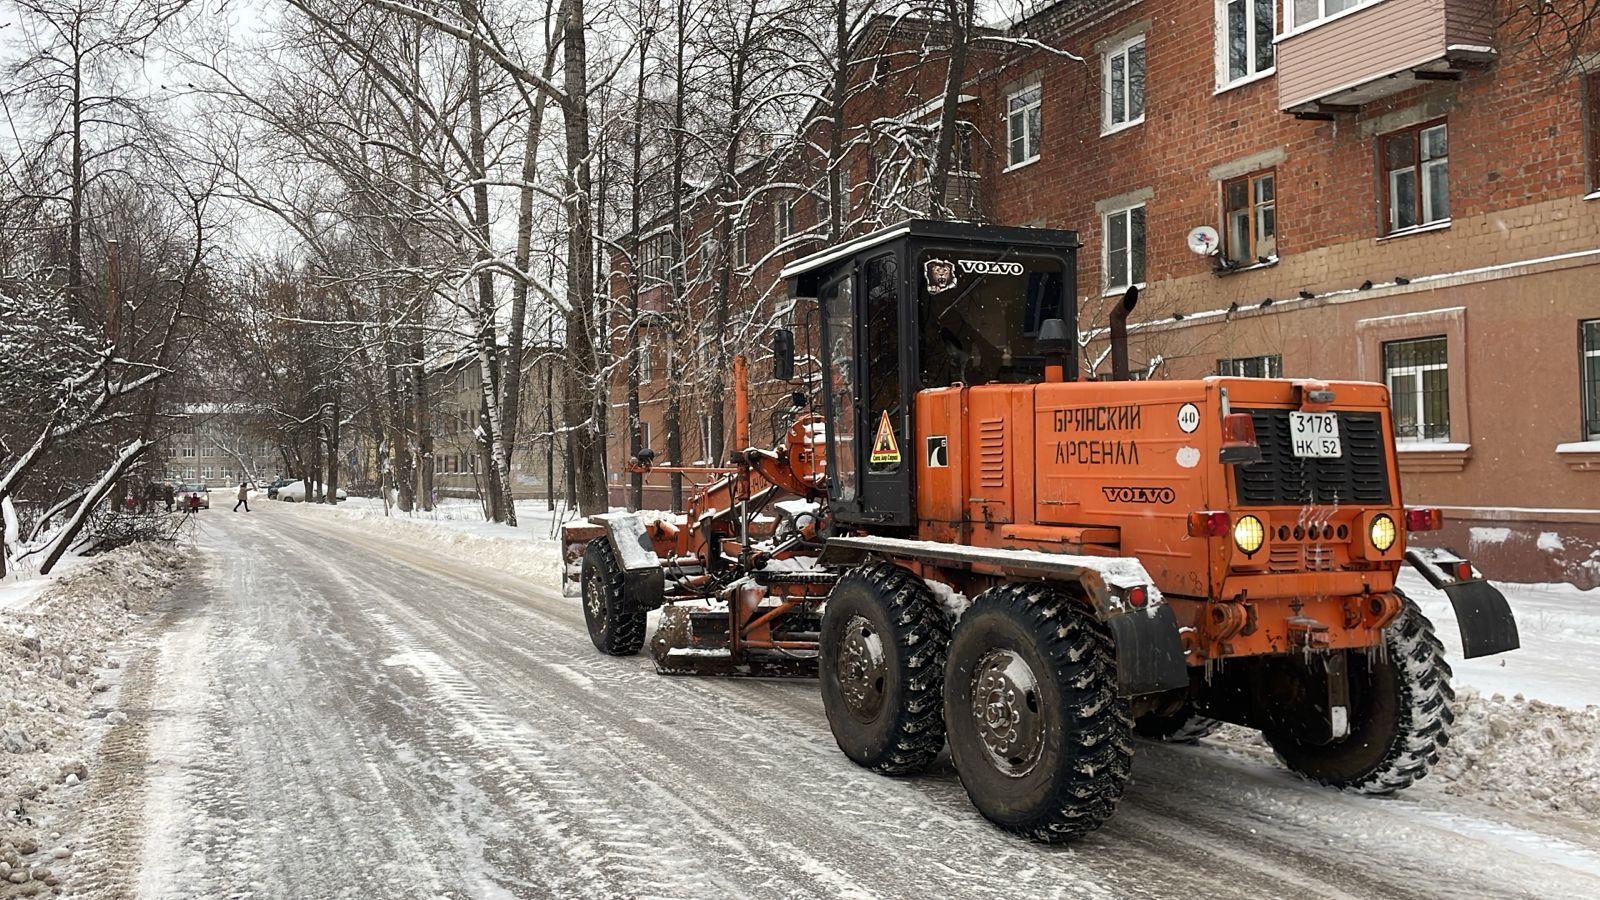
(1203,240)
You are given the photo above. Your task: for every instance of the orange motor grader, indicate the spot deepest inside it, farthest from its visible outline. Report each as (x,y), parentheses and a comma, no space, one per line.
(971,546)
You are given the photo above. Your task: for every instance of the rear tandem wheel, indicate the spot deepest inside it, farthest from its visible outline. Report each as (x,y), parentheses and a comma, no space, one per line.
(882,665)
(1038,734)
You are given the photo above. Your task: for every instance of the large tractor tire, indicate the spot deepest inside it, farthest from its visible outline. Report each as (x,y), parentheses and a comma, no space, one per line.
(1184,726)
(1041,740)
(1400,715)
(615,625)
(882,669)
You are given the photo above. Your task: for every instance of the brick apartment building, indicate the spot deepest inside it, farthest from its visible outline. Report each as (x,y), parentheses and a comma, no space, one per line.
(220,445)
(1404,192)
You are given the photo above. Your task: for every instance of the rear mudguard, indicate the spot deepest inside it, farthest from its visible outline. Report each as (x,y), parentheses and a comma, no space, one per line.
(1149,651)
(1487,625)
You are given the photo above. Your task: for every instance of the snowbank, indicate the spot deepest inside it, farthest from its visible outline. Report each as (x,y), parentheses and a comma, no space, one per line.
(533,549)
(1523,754)
(53,657)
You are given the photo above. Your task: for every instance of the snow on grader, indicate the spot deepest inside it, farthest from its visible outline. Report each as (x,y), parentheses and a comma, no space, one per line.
(970,547)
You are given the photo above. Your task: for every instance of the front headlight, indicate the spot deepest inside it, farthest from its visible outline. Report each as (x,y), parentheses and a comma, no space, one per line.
(1248,534)
(1382,532)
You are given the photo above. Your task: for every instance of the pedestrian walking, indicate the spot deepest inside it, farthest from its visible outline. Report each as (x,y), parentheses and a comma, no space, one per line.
(167,495)
(244,497)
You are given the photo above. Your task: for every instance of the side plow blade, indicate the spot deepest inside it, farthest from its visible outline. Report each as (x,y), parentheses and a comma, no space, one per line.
(1487,625)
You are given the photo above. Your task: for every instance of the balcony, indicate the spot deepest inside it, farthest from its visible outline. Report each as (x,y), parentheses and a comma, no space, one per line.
(1376,49)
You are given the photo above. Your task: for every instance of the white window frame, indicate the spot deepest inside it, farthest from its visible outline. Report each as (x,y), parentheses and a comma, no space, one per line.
(741,245)
(1017,125)
(705,440)
(1225,79)
(644,435)
(1106,125)
(1295,25)
(189,453)
(782,219)
(1418,392)
(644,360)
(1105,247)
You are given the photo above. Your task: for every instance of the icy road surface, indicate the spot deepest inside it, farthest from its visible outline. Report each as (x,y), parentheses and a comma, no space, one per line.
(330,713)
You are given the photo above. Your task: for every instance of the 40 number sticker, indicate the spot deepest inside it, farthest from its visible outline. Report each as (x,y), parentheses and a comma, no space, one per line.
(1188,417)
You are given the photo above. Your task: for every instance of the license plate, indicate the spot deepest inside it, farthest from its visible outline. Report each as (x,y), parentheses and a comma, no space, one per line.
(1314,435)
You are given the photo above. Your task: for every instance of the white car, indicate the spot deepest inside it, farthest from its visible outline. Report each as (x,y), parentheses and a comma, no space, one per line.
(295,492)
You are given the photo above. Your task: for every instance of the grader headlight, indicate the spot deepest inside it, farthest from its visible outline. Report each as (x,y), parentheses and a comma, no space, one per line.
(1248,534)
(1382,532)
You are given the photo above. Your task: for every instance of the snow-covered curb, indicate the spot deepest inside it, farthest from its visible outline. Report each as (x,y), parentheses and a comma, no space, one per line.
(53,660)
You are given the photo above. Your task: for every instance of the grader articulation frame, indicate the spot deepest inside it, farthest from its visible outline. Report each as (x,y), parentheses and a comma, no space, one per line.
(1141,556)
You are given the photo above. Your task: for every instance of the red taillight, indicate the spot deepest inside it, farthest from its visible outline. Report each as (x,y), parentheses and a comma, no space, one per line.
(1209,524)
(1137,596)
(1424,518)
(1463,570)
(1239,439)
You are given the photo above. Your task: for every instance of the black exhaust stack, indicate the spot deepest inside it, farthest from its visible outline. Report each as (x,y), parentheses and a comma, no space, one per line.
(1119,334)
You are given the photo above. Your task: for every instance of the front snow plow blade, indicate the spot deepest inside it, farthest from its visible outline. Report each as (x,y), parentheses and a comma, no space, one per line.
(692,640)
(1487,625)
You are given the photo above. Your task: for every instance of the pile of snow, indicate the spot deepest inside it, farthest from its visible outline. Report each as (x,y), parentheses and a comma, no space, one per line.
(1521,753)
(53,660)
(532,549)
(1512,753)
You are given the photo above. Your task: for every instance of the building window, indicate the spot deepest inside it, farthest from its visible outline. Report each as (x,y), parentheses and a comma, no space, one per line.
(1591,96)
(1309,11)
(207,473)
(1416,176)
(1124,86)
(188,453)
(644,435)
(1590,373)
(782,220)
(1246,30)
(741,245)
(1252,367)
(1418,375)
(644,361)
(1124,253)
(1250,219)
(1023,124)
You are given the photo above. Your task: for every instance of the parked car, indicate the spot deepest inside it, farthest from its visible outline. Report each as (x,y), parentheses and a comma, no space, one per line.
(295,492)
(274,486)
(188,493)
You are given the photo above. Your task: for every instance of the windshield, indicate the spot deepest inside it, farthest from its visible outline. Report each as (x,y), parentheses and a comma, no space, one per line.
(980,314)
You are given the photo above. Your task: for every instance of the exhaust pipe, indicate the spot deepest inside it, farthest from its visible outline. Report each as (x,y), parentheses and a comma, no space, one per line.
(1119,334)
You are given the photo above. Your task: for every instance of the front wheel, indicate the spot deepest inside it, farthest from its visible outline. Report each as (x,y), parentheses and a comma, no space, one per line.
(615,626)
(1400,714)
(1038,734)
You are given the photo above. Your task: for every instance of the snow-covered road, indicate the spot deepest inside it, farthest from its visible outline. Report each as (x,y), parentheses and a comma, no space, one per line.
(334,712)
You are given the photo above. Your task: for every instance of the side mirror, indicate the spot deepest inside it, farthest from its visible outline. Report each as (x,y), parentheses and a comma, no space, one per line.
(783,355)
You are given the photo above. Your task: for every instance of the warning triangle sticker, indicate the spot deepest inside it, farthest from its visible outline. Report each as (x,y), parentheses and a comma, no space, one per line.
(884,448)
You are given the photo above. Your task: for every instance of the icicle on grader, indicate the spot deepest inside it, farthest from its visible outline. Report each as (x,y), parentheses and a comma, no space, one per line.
(1143,558)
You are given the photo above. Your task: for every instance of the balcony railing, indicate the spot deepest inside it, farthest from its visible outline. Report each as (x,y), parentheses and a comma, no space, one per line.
(1380,48)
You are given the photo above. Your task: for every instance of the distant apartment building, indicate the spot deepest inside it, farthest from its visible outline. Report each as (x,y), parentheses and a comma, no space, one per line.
(1400,192)
(218,445)
(455,388)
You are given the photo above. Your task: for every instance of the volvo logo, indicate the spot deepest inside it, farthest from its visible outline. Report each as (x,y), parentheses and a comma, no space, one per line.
(1138,494)
(990,267)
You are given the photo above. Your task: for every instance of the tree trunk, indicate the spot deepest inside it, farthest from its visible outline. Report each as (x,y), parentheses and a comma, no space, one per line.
(960,13)
(585,383)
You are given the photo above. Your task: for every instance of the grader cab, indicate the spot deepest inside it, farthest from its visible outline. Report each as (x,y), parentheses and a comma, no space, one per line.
(971,545)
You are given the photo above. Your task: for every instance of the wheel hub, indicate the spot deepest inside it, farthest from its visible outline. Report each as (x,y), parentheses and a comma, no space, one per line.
(860,669)
(1007,711)
(594,600)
